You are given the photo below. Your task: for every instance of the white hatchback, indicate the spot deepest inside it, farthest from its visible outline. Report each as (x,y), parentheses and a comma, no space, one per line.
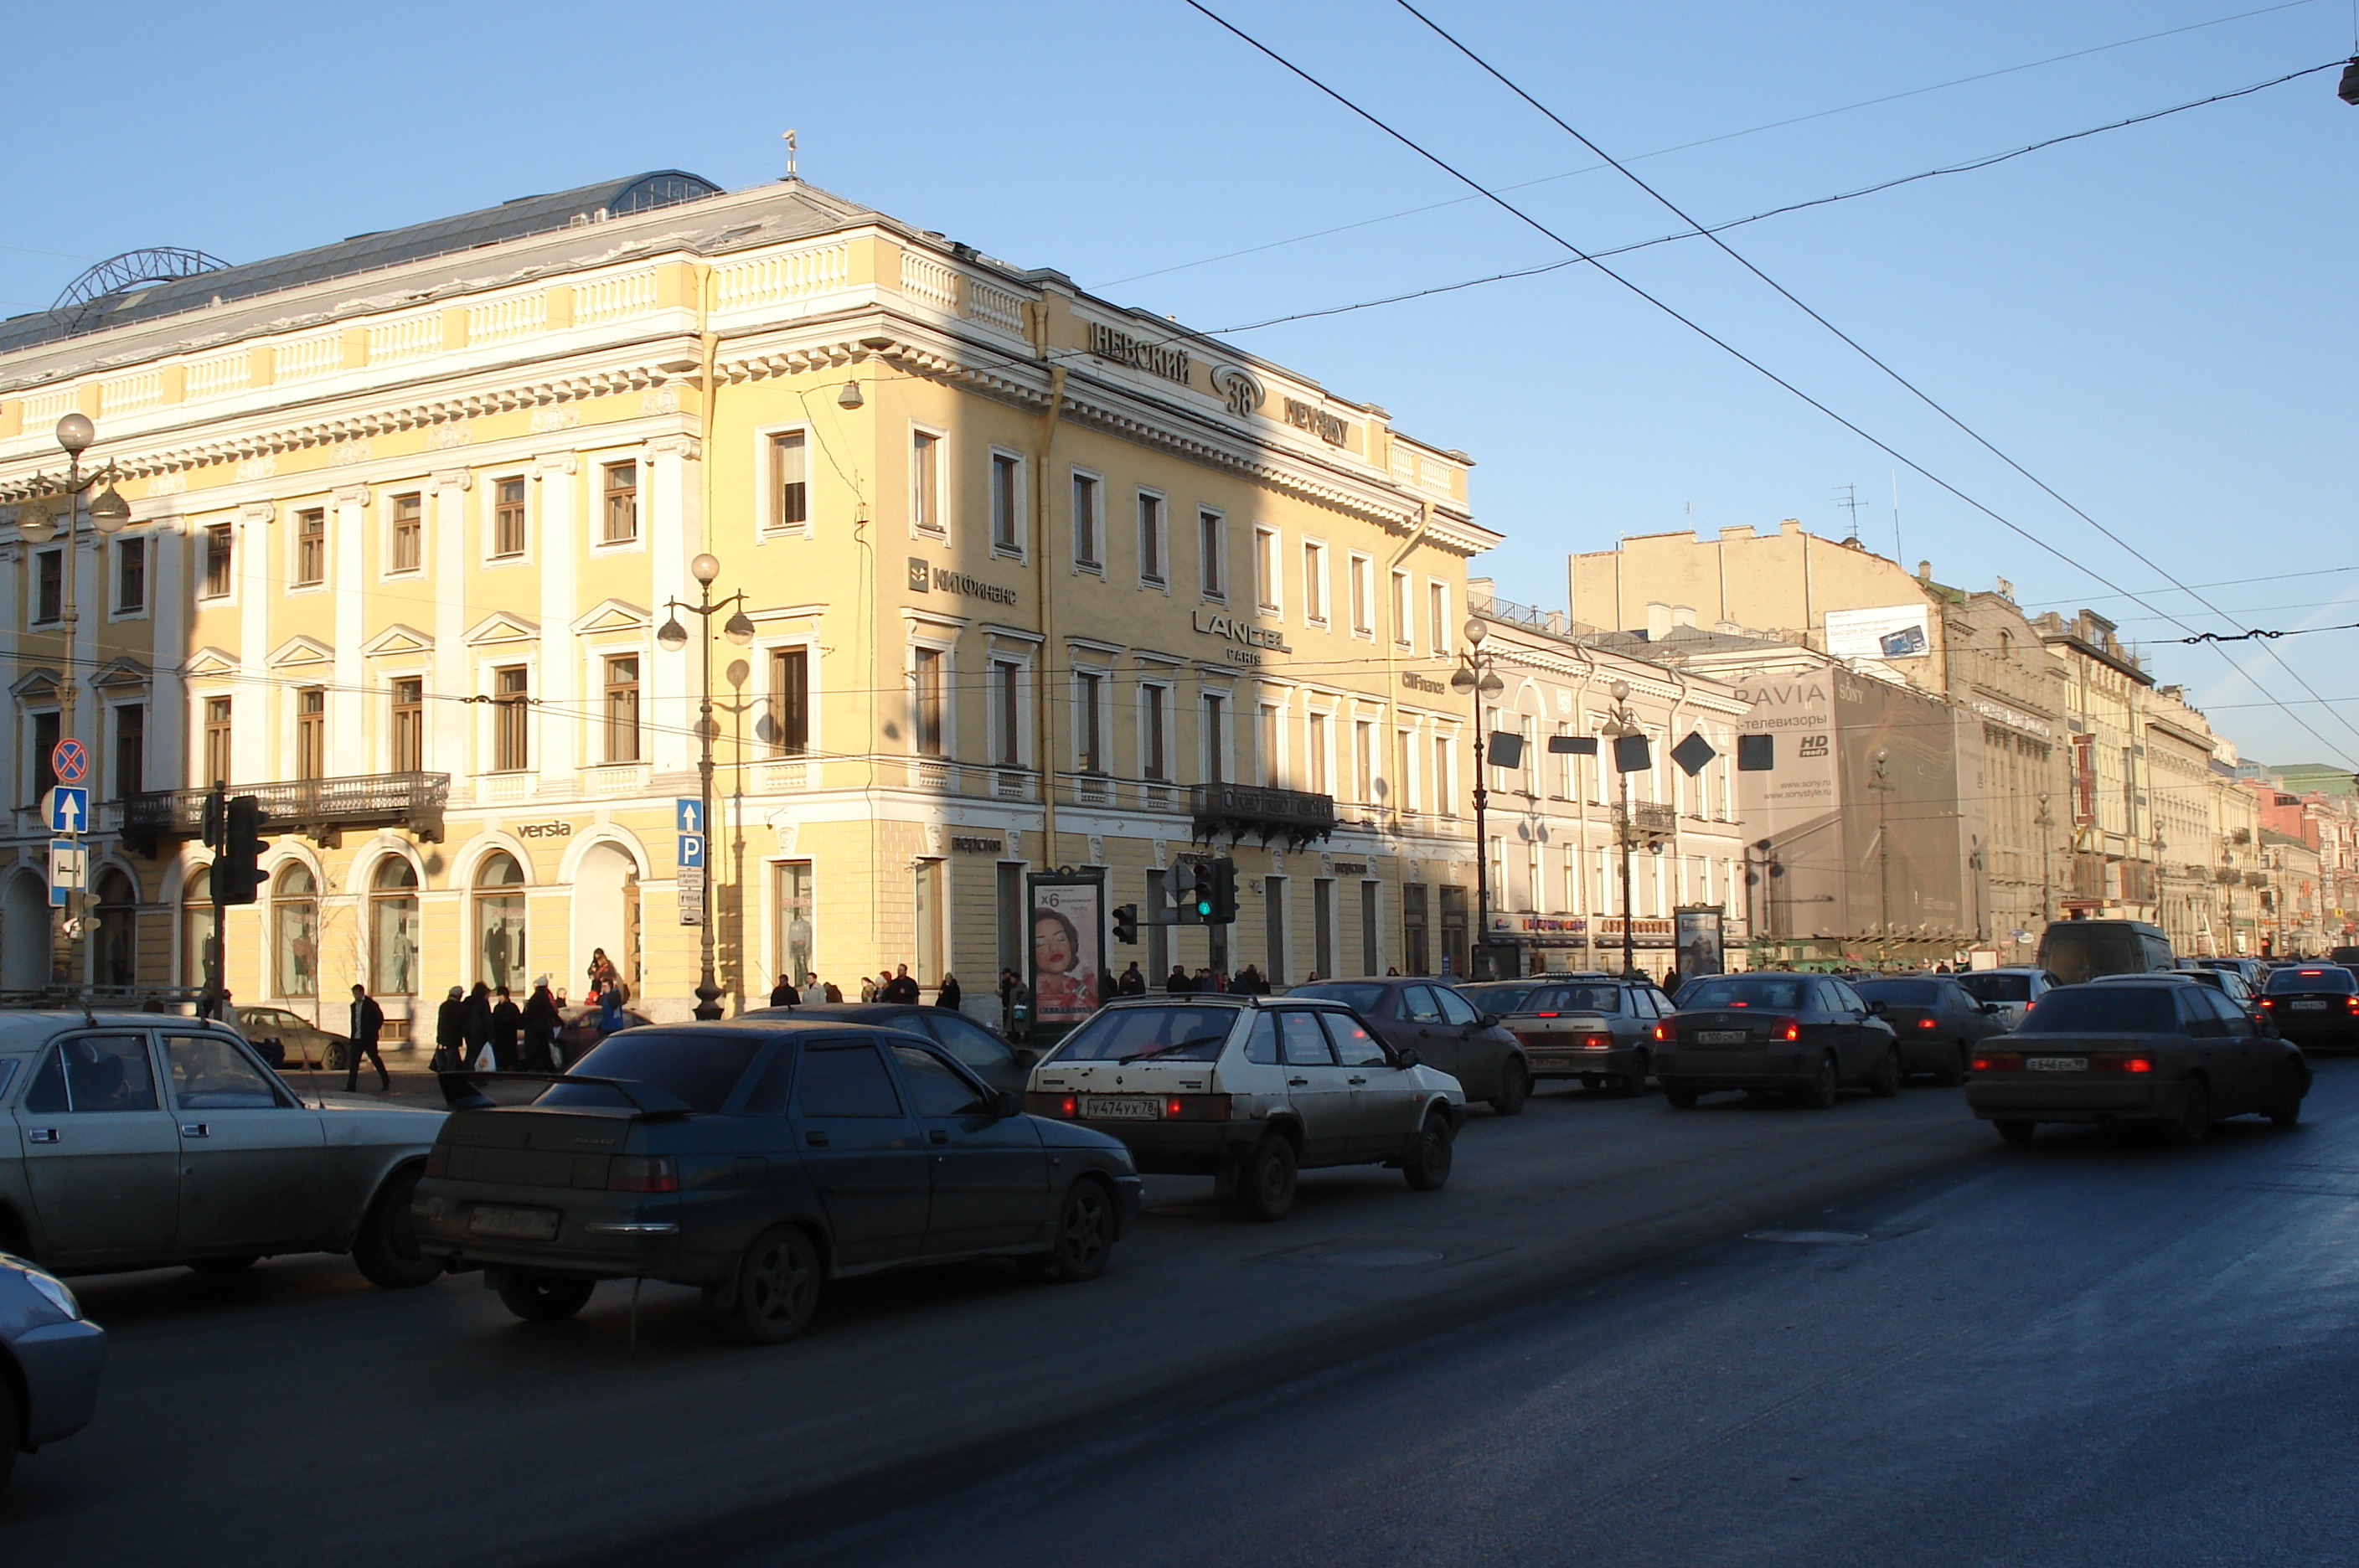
(1249,1090)
(2013,988)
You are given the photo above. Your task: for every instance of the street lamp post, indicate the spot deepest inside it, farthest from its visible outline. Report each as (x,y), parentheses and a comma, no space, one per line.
(1476,677)
(1880,780)
(1622,723)
(739,630)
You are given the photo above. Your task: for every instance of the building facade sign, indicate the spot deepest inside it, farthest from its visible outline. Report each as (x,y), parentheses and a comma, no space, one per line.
(977,845)
(1411,679)
(1310,417)
(924,578)
(1220,624)
(1156,359)
(546,830)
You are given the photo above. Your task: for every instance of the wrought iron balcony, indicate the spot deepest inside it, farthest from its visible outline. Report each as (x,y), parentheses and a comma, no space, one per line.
(319,808)
(1234,810)
(1650,818)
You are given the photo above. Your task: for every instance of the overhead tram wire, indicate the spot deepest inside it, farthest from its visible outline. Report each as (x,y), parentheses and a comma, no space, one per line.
(1693,326)
(1918,392)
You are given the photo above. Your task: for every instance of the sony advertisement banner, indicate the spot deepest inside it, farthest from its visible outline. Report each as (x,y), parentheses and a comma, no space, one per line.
(1891,631)
(1791,810)
(1903,824)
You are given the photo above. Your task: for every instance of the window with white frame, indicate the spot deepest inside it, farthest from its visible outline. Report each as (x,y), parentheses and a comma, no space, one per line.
(405,533)
(1267,571)
(1268,750)
(619,496)
(1363,760)
(1007,712)
(790,705)
(929,683)
(1315,753)
(1154,731)
(1150,538)
(620,700)
(1314,582)
(1211,552)
(1404,610)
(1445,772)
(511,718)
(1216,737)
(49,586)
(1406,741)
(1006,503)
(926,482)
(311,547)
(220,546)
(1089,523)
(1089,721)
(1436,600)
(130,576)
(1363,573)
(507,517)
(789,456)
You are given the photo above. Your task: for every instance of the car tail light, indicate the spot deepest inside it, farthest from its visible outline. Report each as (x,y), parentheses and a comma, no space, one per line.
(1999,1062)
(2268,1002)
(2118,1062)
(643,1174)
(1662,1032)
(1195,1107)
(438,1161)
(1788,1028)
(1924,1023)
(2352,1003)
(1605,1041)
(2311,973)
(1050,1106)
(1547,1014)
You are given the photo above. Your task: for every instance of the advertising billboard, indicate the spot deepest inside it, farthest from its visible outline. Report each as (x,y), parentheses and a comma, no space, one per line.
(1700,943)
(1899,765)
(1893,631)
(1068,940)
(1792,809)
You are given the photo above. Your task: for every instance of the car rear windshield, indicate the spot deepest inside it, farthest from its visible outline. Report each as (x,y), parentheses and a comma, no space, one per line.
(2103,1009)
(1362,994)
(2073,955)
(1491,998)
(1170,1034)
(1742,991)
(697,1069)
(1589,999)
(1997,987)
(2313,977)
(1907,993)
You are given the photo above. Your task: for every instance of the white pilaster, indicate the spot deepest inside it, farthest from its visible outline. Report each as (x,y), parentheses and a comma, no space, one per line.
(168,766)
(672,473)
(347,730)
(557,548)
(448,719)
(253,721)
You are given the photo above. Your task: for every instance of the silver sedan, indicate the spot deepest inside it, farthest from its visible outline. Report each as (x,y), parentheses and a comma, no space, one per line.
(50,1361)
(137,1141)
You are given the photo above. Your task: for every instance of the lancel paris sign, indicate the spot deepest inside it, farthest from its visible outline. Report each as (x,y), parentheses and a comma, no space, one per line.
(1220,624)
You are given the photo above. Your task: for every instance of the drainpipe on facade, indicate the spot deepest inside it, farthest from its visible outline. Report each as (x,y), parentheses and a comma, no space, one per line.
(1392,643)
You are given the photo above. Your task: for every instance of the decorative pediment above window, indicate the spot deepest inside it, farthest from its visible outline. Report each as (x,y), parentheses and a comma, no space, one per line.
(301,653)
(37,686)
(503,627)
(612,616)
(123,675)
(398,638)
(210,663)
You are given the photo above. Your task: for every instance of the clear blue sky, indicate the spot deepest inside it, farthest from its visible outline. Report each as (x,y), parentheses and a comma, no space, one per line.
(2158,321)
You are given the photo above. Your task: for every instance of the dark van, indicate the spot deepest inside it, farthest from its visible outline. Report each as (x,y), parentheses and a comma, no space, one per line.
(2077,951)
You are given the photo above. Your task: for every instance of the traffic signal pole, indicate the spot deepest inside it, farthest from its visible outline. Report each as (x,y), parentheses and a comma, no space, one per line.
(216,834)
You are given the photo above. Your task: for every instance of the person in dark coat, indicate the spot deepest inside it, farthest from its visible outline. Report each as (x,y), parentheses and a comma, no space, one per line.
(833,992)
(451,1032)
(784,994)
(541,1022)
(901,988)
(1177,983)
(946,996)
(507,1023)
(477,1016)
(1132,983)
(368,1023)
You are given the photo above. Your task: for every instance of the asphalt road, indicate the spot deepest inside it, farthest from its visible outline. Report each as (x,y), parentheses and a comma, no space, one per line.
(2096,1350)
(1313,1390)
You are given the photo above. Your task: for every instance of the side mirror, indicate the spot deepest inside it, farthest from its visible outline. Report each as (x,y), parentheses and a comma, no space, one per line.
(1404,1056)
(1007,1103)
(1878,1009)
(1991,1007)
(1488,1020)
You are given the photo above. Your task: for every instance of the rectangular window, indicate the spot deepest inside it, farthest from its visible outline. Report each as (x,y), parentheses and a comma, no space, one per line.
(130,749)
(311,549)
(311,733)
(1445,800)
(217,562)
(1265,746)
(217,746)
(510,691)
(1403,612)
(1006,688)
(1007,495)
(1315,763)
(1265,568)
(408,730)
(926,481)
(1151,760)
(789,701)
(50,586)
(619,522)
(1150,538)
(797,956)
(622,708)
(1086,522)
(1216,737)
(1364,595)
(789,482)
(1405,743)
(1438,606)
(508,518)
(1212,530)
(1363,761)
(130,576)
(1314,582)
(409,533)
(928,682)
(45,742)
(1089,736)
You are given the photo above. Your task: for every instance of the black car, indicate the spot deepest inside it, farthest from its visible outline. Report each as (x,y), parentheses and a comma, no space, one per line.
(1809,1035)
(1446,1031)
(1589,1025)
(760,1158)
(2176,1054)
(2316,1003)
(980,1049)
(1937,1022)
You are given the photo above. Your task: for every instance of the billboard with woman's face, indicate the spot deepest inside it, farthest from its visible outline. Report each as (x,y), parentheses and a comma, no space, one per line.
(1066,936)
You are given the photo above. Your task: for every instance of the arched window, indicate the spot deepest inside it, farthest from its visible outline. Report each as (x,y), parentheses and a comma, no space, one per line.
(393,929)
(116,952)
(295,931)
(196,925)
(499,922)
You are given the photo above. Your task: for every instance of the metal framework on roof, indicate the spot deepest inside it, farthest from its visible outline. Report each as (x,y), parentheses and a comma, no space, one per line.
(157,264)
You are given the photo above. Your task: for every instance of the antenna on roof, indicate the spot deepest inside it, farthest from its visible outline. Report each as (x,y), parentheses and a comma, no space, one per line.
(790,154)
(1849,500)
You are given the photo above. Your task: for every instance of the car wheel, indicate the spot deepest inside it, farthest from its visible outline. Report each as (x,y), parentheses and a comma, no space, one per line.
(385,1251)
(1266,1185)
(333,1059)
(1515,1087)
(1820,1093)
(1887,1082)
(1428,1165)
(1953,1072)
(1679,1099)
(2195,1112)
(546,1297)
(777,1289)
(2286,1110)
(237,1265)
(1635,1083)
(2015,1132)
(1084,1235)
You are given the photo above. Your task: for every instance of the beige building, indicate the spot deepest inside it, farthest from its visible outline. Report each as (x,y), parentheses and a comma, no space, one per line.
(1032,582)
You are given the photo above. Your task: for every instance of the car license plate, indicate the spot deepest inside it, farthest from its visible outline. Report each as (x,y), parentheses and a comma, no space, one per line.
(2309,1006)
(1119,1107)
(517,1224)
(2057,1064)
(1722,1036)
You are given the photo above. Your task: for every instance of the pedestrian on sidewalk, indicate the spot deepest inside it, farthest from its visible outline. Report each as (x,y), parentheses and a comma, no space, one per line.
(947,994)
(541,1022)
(367,1024)
(902,989)
(507,1024)
(831,991)
(477,1016)
(451,1033)
(610,1009)
(1132,983)
(783,993)
(1176,983)
(602,969)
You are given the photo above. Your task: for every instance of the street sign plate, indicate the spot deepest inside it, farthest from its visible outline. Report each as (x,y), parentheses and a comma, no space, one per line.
(688,814)
(68,761)
(691,881)
(692,851)
(68,810)
(68,868)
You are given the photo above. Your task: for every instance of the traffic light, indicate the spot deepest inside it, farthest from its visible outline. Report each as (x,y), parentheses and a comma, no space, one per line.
(1224,893)
(1197,910)
(238,874)
(1125,924)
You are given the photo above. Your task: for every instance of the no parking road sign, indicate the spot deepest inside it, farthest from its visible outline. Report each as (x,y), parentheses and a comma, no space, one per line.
(68,761)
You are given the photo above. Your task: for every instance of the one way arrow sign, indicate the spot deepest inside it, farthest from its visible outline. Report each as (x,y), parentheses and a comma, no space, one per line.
(68,809)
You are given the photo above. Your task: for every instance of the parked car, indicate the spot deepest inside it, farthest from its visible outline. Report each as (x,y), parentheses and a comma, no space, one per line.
(2315,1003)
(1250,1089)
(2227,982)
(143,1141)
(1588,1026)
(761,1159)
(577,1031)
(2076,951)
(2011,988)
(1771,1031)
(2177,1054)
(978,1048)
(2346,957)
(2254,971)
(286,1039)
(1937,1022)
(1448,1032)
(50,1361)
